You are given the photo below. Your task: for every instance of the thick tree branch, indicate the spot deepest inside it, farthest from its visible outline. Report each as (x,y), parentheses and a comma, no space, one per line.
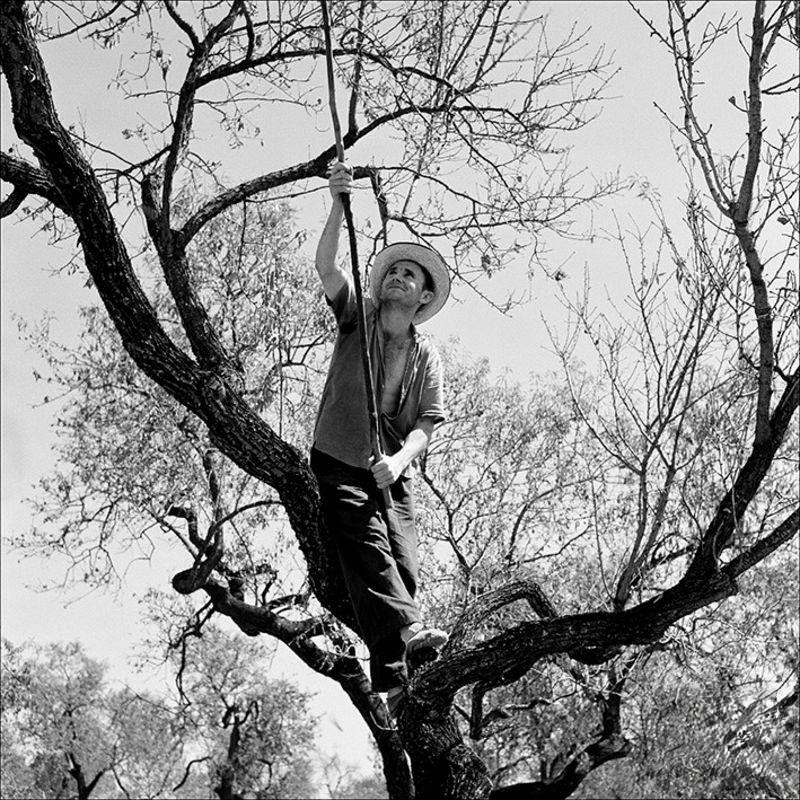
(744,201)
(260,620)
(188,771)
(206,344)
(741,219)
(763,312)
(13,201)
(182,24)
(738,210)
(188,514)
(76,770)
(512,653)
(520,589)
(27,179)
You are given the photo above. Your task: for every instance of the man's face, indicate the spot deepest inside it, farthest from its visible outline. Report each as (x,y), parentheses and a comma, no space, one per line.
(404,283)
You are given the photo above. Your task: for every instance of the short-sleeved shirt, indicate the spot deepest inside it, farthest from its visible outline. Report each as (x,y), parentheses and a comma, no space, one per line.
(342,426)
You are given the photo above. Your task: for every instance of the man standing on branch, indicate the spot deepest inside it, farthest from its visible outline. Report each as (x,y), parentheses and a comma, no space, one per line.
(409,283)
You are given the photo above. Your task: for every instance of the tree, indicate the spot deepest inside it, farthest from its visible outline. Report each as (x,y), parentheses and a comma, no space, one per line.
(70,736)
(150,746)
(62,710)
(440,64)
(232,733)
(570,510)
(255,735)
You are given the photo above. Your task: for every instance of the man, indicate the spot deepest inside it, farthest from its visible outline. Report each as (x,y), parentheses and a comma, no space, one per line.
(409,283)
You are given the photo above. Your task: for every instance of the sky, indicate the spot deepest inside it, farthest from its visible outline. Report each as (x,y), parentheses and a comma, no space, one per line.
(630,134)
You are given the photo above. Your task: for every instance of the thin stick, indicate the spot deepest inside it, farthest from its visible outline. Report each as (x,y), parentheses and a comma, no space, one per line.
(372,405)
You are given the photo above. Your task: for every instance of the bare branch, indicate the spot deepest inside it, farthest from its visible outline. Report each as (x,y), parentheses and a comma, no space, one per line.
(183,25)
(185,111)
(188,771)
(764,547)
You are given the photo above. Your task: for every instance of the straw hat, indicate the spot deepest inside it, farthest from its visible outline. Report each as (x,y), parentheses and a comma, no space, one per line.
(425,257)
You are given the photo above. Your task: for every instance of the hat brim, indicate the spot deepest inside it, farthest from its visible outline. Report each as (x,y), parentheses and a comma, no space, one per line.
(428,259)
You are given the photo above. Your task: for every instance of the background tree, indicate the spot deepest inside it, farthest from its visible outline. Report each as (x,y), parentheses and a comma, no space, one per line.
(150,745)
(443,67)
(69,735)
(230,733)
(343,785)
(255,735)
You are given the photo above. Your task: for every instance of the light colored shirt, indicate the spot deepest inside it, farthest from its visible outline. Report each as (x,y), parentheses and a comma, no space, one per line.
(342,426)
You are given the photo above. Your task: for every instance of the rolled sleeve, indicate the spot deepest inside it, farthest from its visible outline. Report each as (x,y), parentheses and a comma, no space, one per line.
(431,405)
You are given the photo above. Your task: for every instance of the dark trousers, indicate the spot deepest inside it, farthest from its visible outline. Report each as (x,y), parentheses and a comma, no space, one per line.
(379,562)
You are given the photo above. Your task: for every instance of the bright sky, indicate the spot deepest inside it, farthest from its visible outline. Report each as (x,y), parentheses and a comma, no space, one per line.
(630,134)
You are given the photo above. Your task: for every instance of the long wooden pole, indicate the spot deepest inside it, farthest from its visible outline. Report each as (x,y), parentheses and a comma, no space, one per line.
(372,405)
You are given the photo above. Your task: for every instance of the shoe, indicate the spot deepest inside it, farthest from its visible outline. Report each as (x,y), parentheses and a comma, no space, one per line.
(425,638)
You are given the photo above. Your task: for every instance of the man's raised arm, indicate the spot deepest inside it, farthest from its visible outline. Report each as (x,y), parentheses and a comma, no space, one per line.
(331,275)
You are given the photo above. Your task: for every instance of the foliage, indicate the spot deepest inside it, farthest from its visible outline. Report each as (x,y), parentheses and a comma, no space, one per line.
(133,463)
(257,734)
(67,733)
